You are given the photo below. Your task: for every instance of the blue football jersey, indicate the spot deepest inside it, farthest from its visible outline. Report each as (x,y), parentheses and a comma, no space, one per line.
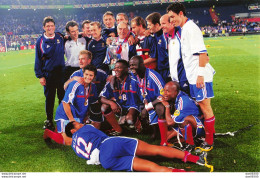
(79,99)
(86,139)
(152,85)
(185,106)
(126,95)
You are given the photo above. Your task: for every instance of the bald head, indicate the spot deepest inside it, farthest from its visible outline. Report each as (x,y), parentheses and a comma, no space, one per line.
(171,90)
(166,26)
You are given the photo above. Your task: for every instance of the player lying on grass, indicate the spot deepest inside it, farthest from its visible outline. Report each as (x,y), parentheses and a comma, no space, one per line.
(74,105)
(121,153)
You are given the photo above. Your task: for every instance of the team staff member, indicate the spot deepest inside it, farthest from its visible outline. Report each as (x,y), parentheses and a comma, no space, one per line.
(49,66)
(196,63)
(110,29)
(177,71)
(153,24)
(146,46)
(86,30)
(97,46)
(121,153)
(75,105)
(151,85)
(72,48)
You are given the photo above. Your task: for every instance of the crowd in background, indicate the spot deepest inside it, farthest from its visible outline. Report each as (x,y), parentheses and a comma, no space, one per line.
(16,23)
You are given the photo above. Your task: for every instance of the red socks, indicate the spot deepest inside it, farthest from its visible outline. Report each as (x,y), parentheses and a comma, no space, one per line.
(189,139)
(111,119)
(163,131)
(188,157)
(57,137)
(209,126)
(178,170)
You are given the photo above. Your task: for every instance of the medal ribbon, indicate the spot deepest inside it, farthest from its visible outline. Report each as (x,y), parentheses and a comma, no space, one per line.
(87,95)
(119,49)
(123,87)
(142,83)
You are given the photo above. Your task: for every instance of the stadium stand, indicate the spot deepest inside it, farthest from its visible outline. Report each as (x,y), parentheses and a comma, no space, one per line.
(22,26)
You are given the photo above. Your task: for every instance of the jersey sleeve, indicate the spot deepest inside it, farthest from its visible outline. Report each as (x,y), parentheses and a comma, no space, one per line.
(107,92)
(196,41)
(153,49)
(70,93)
(38,65)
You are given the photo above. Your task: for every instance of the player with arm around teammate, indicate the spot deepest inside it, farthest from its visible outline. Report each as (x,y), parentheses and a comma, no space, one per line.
(122,153)
(74,106)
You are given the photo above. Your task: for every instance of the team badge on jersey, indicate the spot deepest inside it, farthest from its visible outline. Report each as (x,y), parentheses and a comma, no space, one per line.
(103,44)
(160,41)
(58,41)
(162,91)
(176,113)
(71,96)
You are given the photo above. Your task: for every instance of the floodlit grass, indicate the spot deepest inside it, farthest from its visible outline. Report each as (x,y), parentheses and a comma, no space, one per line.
(236,105)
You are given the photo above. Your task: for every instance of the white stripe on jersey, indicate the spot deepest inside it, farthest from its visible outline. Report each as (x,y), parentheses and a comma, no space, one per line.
(156,80)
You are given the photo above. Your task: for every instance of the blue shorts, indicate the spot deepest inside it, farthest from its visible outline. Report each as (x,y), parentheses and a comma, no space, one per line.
(153,117)
(61,124)
(117,153)
(202,93)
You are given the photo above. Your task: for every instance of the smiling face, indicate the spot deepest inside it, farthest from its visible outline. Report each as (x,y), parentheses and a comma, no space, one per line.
(151,27)
(74,32)
(49,29)
(83,60)
(109,21)
(170,91)
(95,31)
(165,24)
(176,19)
(120,70)
(122,30)
(121,18)
(86,29)
(88,76)
(135,28)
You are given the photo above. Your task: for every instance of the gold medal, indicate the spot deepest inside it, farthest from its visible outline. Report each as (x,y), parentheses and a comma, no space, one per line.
(144,96)
(120,97)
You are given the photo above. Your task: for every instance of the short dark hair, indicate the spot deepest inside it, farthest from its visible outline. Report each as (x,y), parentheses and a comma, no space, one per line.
(139,58)
(71,23)
(139,21)
(154,18)
(177,85)
(176,7)
(85,22)
(47,20)
(90,67)
(68,128)
(124,62)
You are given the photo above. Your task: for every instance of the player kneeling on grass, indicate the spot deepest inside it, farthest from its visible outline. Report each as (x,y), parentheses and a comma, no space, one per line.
(178,108)
(120,153)
(75,105)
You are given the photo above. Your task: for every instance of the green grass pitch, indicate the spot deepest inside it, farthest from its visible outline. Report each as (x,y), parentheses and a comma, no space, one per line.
(236,105)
